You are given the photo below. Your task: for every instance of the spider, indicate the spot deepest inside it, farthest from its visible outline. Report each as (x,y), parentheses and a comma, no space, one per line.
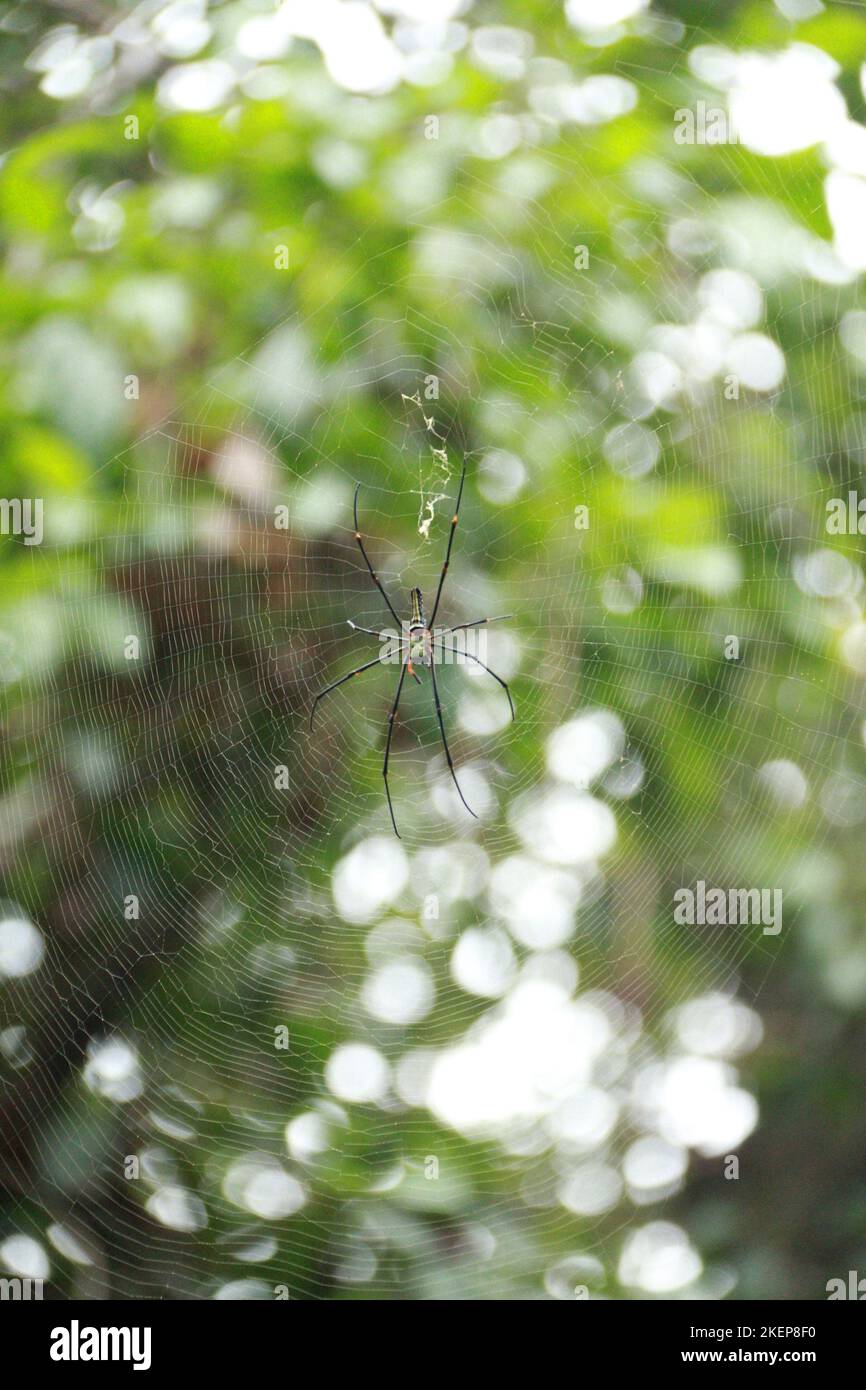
(418,641)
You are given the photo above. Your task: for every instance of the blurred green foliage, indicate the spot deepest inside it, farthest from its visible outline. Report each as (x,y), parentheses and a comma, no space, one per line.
(156,261)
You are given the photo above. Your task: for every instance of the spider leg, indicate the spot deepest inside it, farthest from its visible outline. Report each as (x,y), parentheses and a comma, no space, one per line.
(372,632)
(391,717)
(373,574)
(448,551)
(445,741)
(480,663)
(385,637)
(479,622)
(342,681)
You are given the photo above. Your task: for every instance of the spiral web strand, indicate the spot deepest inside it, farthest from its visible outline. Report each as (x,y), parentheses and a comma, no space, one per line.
(198,749)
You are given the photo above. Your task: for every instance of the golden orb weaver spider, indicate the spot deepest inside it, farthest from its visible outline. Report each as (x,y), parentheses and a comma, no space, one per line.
(418,641)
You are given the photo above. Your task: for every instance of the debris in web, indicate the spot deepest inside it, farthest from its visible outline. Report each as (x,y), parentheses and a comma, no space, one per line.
(430,498)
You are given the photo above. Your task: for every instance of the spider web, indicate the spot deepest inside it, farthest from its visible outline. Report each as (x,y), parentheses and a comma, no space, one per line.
(243,929)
